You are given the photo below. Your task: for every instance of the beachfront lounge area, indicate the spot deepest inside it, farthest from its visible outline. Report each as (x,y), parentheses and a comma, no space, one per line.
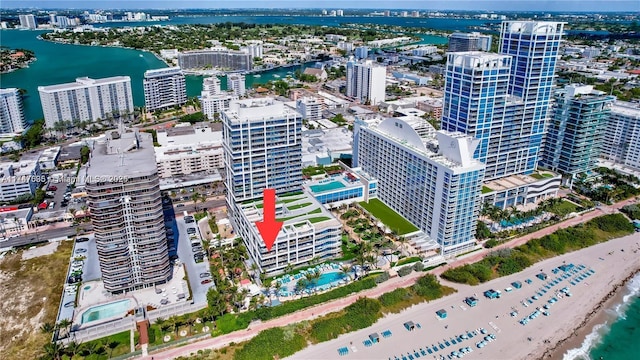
(491,329)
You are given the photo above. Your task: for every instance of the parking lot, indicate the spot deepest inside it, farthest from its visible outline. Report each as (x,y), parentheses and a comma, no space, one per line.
(84,253)
(186,255)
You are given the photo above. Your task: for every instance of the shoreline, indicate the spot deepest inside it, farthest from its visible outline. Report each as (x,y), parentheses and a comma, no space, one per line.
(597,316)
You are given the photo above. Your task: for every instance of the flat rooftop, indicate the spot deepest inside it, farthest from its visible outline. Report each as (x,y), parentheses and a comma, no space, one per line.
(127,155)
(295,209)
(515,181)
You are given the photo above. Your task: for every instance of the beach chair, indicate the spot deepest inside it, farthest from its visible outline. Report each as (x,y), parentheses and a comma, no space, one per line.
(446,342)
(453,341)
(424,353)
(429,351)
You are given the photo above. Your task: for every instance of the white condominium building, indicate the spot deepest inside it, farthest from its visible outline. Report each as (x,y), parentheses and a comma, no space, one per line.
(263,149)
(12,118)
(187,150)
(212,99)
(310,108)
(236,84)
(164,88)
(28,21)
(20,178)
(124,199)
(431,180)
(86,99)
(621,142)
(366,82)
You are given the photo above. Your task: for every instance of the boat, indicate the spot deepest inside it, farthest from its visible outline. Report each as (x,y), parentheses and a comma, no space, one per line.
(276,76)
(257,75)
(140,55)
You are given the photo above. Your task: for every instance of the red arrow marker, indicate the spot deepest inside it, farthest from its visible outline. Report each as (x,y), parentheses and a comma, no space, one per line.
(269,227)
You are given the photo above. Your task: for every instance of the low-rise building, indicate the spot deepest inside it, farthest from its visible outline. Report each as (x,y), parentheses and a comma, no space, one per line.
(20,178)
(309,232)
(310,108)
(14,220)
(521,189)
(188,150)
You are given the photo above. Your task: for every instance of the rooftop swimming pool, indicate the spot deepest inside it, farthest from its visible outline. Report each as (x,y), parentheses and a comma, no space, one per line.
(326,187)
(106,311)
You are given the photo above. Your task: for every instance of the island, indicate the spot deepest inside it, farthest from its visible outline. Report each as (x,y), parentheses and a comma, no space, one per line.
(14,59)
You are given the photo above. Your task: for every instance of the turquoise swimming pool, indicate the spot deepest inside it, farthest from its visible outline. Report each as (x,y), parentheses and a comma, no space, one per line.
(326,187)
(106,311)
(328,278)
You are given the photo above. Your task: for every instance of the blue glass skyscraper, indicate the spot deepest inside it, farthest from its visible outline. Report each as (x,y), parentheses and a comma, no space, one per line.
(503,100)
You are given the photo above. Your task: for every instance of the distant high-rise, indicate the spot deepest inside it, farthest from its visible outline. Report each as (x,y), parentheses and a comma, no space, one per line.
(429,178)
(12,118)
(366,81)
(339,12)
(86,99)
(124,199)
(362,52)
(621,142)
(576,130)
(236,84)
(28,21)
(503,100)
(469,42)
(164,88)
(217,58)
(212,99)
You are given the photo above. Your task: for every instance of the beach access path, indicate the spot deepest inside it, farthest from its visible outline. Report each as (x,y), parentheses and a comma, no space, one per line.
(391,284)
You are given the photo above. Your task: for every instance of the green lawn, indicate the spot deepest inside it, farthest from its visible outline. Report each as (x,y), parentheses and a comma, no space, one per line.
(563,208)
(389,217)
(540,176)
(299,206)
(318,219)
(486,189)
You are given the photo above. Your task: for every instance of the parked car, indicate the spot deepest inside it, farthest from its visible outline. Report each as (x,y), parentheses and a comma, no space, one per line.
(204,275)
(52,188)
(180,205)
(80,251)
(191,230)
(82,239)
(205,281)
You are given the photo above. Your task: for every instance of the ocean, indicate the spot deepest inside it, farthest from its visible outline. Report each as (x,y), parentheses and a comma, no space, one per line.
(618,338)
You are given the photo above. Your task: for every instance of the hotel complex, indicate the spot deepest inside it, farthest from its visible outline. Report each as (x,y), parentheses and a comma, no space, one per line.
(86,100)
(263,149)
(126,212)
(12,120)
(164,88)
(432,180)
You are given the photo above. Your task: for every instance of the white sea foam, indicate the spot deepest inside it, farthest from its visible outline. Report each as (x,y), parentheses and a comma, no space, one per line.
(595,336)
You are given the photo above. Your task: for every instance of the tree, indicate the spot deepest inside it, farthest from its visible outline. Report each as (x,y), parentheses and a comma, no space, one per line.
(216,302)
(110,346)
(74,348)
(65,324)
(53,351)
(84,154)
(47,328)
(175,322)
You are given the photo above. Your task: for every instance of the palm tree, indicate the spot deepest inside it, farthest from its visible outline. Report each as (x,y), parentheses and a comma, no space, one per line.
(175,323)
(90,347)
(65,324)
(110,346)
(344,269)
(190,321)
(47,328)
(74,348)
(53,351)
(277,287)
(195,197)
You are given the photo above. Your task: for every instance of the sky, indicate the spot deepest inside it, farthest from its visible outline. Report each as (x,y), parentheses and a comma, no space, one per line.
(488,5)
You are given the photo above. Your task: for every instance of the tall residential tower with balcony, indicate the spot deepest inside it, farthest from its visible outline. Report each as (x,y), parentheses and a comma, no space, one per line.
(86,99)
(12,118)
(504,100)
(164,88)
(124,199)
(262,142)
(574,137)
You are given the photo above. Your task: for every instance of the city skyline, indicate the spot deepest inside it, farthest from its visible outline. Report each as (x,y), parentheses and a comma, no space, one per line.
(481,5)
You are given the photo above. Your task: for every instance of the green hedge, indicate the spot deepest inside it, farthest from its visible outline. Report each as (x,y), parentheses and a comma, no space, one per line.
(359,315)
(509,261)
(271,343)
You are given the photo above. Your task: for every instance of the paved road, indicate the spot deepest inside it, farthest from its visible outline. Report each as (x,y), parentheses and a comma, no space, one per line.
(44,233)
(194,269)
(338,304)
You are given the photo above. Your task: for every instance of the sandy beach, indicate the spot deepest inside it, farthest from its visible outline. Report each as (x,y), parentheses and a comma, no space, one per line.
(613,262)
